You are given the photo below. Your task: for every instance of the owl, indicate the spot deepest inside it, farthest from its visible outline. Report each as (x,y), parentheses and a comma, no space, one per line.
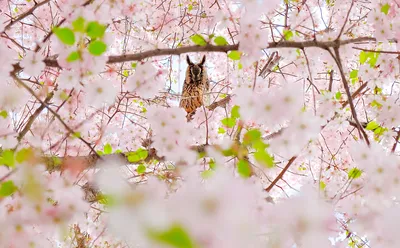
(196,85)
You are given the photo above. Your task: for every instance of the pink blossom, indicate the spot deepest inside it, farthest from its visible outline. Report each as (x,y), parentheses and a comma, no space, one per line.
(33,63)
(146,81)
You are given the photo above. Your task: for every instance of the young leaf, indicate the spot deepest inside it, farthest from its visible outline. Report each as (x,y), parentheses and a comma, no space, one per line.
(79,24)
(73,56)
(235,112)
(97,47)
(4,114)
(95,30)
(363,57)
(354,74)
(338,95)
(354,173)
(220,41)
(7,188)
(372,125)
(377,104)
(229,122)
(198,40)
(207,174)
(141,169)
(7,158)
(244,168)
(175,236)
(264,158)
(234,55)
(322,185)
(287,34)
(65,35)
(221,130)
(107,149)
(251,136)
(138,155)
(24,155)
(385,8)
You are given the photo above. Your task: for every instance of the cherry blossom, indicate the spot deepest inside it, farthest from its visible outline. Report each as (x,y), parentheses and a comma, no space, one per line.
(33,63)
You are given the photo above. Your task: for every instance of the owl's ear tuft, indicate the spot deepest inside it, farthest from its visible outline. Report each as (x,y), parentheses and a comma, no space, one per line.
(203,60)
(188,60)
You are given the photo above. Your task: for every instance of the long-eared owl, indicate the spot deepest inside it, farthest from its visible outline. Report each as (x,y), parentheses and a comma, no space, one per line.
(196,85)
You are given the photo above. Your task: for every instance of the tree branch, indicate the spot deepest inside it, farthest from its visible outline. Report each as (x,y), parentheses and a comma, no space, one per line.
(23,15)
(290,162)
(211,48)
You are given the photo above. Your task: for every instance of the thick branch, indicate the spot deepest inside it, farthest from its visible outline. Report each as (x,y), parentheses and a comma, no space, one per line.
(55,163)
(211,48)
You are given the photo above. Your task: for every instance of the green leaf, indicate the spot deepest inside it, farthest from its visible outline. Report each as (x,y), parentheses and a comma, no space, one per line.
(229,122)
(259,145)
(106,200)
(125,73)
(375,103)
(372,125)
(76,135)
(220,41)
(64,96)
(264,158)
(287,34)
(79,24)
(251,136)
(97,47)
(190,7)
(73,56)
(363,57)
(228,152)
(141,169)
(373,58)
(138,155)
(322,185)
(354,173)
(235,112)
(354,74)
(107,149)
(221,130)
(385,8)
(4,114)
(198,40)
(212,164)
(338,95)
(377,90)
(24,155)
(65,35)
(175,236)
(56,161)
(244,168)
(7,188)
(234,55)
(7,158)
(133,65)
(380,131)
(207,174)
(330,2)
(95,30)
